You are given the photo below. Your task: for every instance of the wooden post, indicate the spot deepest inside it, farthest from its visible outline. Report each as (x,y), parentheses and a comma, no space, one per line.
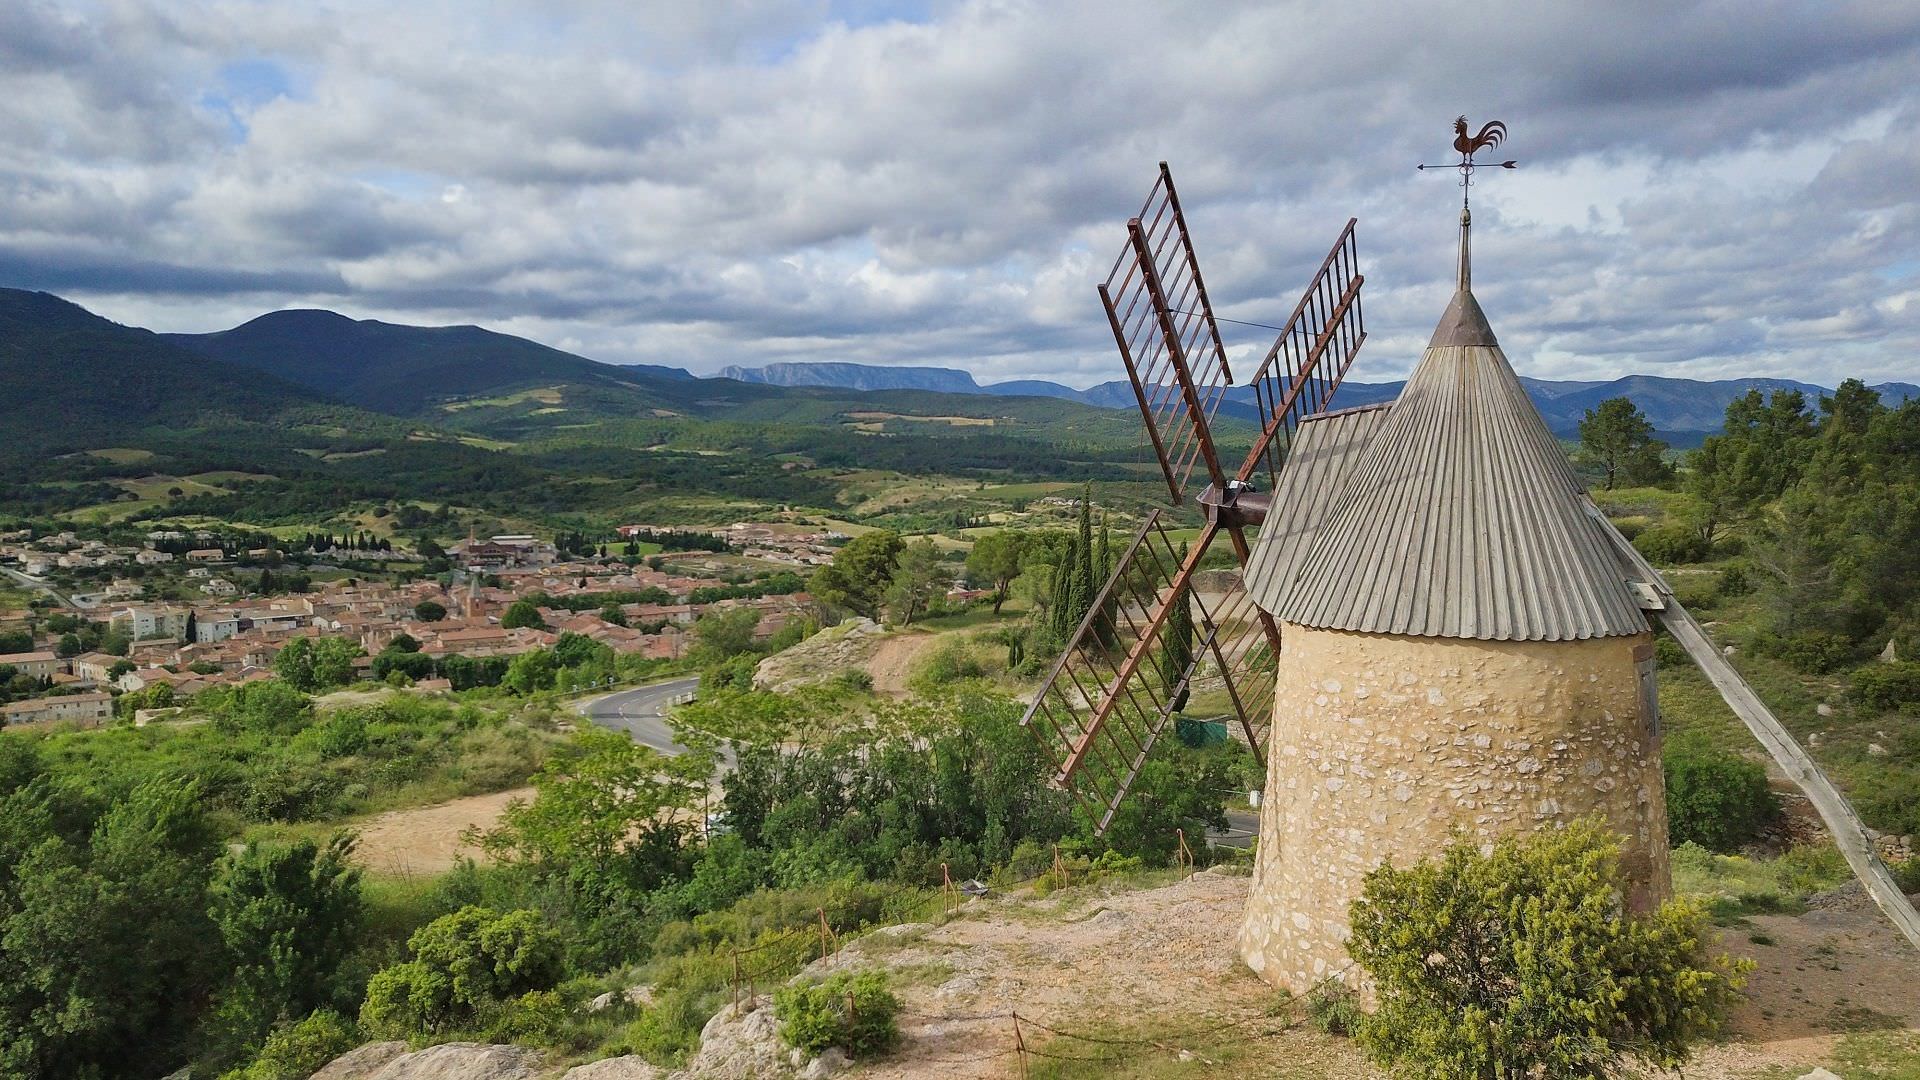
(1848,831)
(734,983)
(1059,869)
(1184,853)
(947,903)
(1020,1045)
(827,937)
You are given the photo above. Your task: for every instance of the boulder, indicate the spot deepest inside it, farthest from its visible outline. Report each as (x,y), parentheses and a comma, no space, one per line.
(741,1042)
(637,996)
(630,1067)
(830,1061)
(362,1062)
(846,647)
(466,1061)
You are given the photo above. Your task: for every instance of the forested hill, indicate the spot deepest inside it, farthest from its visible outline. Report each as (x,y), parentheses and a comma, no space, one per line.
(401,369)
(72,379)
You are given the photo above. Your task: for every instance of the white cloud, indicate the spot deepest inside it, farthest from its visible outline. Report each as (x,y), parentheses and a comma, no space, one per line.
(1707,189)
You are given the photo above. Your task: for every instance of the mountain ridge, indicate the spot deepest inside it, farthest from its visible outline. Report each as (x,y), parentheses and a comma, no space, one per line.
(1675,405)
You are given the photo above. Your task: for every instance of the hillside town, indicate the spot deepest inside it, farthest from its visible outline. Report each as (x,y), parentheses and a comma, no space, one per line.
(230,629)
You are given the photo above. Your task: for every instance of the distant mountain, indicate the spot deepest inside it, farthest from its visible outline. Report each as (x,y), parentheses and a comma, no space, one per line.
(402,369)
(857,377)
(74,380)
(1682,408)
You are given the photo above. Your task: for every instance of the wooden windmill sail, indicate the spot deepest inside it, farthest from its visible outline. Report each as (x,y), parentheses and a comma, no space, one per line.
(1108,699)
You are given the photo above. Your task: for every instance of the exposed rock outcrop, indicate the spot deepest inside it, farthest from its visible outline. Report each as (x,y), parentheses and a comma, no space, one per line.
(846,647)
(448,1061)
(630,1067)
(741,1042)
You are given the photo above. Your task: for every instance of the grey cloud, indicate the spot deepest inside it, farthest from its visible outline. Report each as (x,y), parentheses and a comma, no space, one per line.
(710,184)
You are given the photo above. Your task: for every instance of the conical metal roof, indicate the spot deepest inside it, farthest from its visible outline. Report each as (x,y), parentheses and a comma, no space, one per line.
(1461,518)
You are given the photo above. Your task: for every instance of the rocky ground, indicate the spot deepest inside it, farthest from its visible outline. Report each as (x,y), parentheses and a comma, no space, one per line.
(1149,978)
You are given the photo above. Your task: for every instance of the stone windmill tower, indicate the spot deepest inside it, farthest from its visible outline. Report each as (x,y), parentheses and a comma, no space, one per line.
(1433,631)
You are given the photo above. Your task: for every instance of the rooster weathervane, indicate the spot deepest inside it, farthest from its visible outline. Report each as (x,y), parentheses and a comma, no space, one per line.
(1492,134)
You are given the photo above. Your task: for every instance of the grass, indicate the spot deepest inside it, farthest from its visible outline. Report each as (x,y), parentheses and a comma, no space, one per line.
(1735,886)
(1196,1046)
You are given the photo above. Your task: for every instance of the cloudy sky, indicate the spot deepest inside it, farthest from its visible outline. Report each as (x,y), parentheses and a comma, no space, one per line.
(1706,190)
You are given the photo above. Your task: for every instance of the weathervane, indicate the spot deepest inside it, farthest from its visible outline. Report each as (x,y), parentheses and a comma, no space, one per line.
(1492,134)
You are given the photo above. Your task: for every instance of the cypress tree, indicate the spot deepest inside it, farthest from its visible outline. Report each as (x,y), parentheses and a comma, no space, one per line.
(1176,642)
(1109,632)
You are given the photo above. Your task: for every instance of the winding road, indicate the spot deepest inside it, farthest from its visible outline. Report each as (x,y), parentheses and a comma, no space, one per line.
(642,713)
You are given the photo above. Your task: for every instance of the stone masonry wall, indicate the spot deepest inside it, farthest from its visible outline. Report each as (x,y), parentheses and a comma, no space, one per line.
(1383,746)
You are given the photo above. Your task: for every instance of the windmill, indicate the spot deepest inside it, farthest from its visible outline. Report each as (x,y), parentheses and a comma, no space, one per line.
(1107,700)
(1467,637)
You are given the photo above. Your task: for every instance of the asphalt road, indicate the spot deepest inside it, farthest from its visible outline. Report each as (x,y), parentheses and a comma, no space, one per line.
(641,712)
(36,583)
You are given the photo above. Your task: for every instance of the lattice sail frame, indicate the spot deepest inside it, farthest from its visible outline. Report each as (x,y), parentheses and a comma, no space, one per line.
(1107,700)
(1168,339)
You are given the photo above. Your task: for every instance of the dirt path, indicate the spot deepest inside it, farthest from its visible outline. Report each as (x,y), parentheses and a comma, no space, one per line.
(426,839)
(892,665)
(1159,965)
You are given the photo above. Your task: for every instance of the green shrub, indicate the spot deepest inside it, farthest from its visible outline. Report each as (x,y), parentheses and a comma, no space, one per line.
(472,960)
(1733,582)
(1672,544)
(854,679)
(817,1016)
(1716,799)
(1810,652)
(1884,687)
(1333,1008)
(1520,963)
(297,1051)
(948,662)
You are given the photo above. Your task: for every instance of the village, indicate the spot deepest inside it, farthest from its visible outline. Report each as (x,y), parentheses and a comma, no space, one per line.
(231,628)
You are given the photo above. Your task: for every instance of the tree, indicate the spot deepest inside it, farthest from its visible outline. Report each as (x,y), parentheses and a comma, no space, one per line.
(522,613)
(860,573)
(531,672)
(288,916)
(1522,962)
(726,632)
(333,659)
(294,664)
(68,645)
(611,818)
(1617,438)
(429,611)
(103,935)
(995,561)
(917,582)
(1176,643)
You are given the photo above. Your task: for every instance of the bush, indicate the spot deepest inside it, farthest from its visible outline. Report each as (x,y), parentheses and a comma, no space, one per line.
(815,1017)
(946,663)
(299,1050)
(1733,582)
(1884,687)
(472,960)
(1716,799)
(1672,544)
(1520,963)
(1810,652)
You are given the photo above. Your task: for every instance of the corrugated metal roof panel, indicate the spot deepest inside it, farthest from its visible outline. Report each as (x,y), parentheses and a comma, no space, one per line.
(1320,460)
(1462,519)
